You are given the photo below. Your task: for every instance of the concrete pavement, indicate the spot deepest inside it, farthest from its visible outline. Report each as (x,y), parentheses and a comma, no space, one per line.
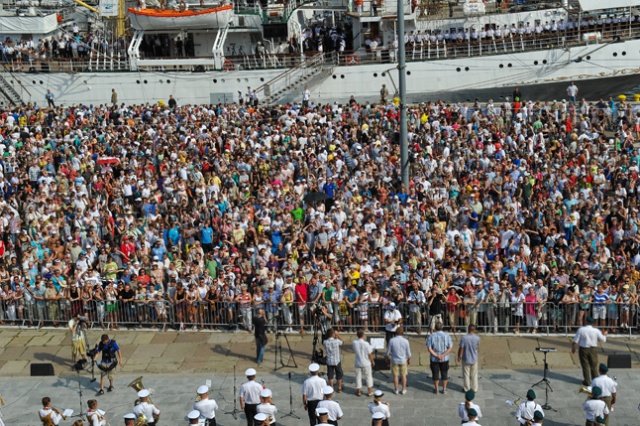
(174,364)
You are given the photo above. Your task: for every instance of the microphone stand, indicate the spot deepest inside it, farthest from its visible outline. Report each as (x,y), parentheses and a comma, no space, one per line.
(235,410)
(291,411)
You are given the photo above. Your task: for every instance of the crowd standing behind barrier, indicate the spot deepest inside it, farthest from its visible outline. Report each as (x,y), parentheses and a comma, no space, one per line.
(519,217)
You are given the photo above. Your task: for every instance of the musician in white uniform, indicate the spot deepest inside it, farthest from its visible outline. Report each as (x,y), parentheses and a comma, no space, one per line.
(207,407)
(266,406)
(473,415)
(464,407)
(594,407)
(261,419)
(146,408)
(526,410)
(250,395)
(47,414)
(95,417)
(335,411)
(538,417)
(312,392)
(194,417)
(129,419)
(608,386)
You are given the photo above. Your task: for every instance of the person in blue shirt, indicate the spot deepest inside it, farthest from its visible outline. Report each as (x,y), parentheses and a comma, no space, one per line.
(206,238)
(351,297)
(174,235)
(158,250)
(272,300)
(330,188)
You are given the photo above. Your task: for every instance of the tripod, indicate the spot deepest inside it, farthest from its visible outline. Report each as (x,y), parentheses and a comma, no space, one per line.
(235,410)
(279,350)
(291,411)
(319,330)
(547,385)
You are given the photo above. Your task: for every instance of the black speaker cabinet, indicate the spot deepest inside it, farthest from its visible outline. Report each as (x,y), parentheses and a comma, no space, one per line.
(45,369)
(619,361)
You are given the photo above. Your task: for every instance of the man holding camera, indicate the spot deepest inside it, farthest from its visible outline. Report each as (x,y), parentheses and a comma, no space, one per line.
(79,347)
(111,357)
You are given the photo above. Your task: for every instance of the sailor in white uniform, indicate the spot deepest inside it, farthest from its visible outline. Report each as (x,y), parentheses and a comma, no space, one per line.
(207,407)
(266,406)
(335,411)
(526,410)
(144,407)
(312,392)
(250,395)
(129,419)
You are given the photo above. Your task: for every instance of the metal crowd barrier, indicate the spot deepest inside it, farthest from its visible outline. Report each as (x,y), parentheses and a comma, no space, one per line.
(498,317)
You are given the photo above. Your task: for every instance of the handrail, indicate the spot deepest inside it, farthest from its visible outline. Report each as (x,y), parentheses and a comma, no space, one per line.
(22,86)
(309,63)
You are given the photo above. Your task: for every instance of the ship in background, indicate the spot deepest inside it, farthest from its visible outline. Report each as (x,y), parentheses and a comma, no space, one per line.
(213,52)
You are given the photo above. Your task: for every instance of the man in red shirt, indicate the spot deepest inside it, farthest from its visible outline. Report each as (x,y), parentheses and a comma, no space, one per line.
(301,300)
(127,249)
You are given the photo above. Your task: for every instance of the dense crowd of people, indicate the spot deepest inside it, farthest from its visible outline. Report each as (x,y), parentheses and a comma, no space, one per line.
(517,215)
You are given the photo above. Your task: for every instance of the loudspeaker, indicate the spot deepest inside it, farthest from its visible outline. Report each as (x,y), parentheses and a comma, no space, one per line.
(619,361)
(42,369)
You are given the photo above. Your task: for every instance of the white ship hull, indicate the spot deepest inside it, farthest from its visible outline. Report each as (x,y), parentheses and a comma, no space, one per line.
(425,80)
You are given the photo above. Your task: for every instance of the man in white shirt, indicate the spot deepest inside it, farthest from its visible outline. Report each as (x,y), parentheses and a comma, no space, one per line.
(334,410)
(528,408)
(364,362)
(392,319)
(312,392)
(146,408)
(594,408)
(586,339)
(400,354)
(250,395)
(266,406)
(207,407)
(609,389)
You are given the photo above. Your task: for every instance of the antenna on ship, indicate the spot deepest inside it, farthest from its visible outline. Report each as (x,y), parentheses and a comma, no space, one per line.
(402,85)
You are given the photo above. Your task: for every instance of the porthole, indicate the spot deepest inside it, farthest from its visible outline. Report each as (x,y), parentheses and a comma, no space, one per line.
(41,82)
(375,74)
(458,69)
(341,75)
(145,82)
(261,78)
(383,74)
(137,81)
(408,72)
(466,68)
(615,54)
(544,61)
(335,76)
(509,65)
(215,81)
(501,65)
(535,62)
(624,53)
(589,58)
(168,81)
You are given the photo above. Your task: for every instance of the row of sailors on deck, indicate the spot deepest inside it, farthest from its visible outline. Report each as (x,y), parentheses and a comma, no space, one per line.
(524,30)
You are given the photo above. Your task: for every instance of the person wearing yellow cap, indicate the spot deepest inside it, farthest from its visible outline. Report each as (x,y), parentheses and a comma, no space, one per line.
(609,389)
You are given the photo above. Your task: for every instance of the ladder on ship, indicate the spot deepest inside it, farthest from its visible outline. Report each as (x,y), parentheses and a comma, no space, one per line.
(309,72)
(8,92)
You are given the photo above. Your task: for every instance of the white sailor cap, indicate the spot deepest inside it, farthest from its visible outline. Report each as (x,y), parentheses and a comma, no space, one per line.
(265,393)
(322,411)
(193,414)
(327,390)
(261,417)
(250,372)
(378,416)
(203,389)
(144,393)
(314,367)
(378,393)
(130,416)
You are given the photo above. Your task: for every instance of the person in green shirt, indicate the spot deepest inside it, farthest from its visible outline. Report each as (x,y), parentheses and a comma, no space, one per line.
(298,214)
(212,265)
(111,269)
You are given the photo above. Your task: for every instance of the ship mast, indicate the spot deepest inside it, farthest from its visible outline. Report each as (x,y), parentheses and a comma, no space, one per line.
(120,19)
(402,85)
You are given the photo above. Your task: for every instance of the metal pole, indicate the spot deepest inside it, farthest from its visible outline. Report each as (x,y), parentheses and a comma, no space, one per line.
(402,84)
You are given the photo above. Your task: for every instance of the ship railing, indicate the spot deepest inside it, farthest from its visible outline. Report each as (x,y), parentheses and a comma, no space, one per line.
(247,9)
(434,9)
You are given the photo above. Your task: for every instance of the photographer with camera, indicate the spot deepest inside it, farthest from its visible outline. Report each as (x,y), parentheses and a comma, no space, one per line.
(78,341)
(111,358)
